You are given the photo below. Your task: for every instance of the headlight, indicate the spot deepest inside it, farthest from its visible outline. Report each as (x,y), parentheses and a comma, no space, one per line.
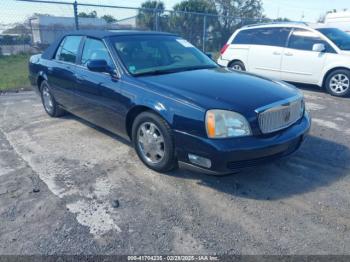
(223,124)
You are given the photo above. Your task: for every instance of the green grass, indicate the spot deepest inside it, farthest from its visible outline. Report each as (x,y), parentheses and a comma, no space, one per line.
(14,72)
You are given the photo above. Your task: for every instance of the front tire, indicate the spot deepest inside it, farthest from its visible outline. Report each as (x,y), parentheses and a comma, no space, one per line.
(50,105)
(338,83)
(153,141)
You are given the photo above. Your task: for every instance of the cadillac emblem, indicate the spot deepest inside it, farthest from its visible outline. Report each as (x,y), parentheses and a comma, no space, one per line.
(287,117)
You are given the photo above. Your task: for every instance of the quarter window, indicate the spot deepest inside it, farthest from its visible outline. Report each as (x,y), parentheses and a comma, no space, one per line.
(69,48)
(95,50)
(304,40)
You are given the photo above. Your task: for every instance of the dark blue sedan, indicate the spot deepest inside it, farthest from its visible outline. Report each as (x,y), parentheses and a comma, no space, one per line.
(172,101)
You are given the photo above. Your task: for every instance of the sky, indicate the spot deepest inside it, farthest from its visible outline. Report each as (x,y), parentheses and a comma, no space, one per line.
(12,11)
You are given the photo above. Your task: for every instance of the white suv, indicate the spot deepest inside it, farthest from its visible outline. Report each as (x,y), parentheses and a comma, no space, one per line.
(295,52)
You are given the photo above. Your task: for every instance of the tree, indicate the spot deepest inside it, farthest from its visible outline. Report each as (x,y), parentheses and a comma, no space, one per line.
(149,12)
(92,14)
(237,13)
(109,19)
(190,25)
(322,17)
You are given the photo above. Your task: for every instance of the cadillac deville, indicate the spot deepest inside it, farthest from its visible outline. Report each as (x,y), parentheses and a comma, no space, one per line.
(176,106)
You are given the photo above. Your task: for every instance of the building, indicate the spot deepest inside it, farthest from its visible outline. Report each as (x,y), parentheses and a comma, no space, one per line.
(46,28)
(339,20)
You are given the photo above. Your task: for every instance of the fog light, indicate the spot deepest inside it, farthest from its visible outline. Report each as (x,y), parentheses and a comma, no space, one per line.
(198,160)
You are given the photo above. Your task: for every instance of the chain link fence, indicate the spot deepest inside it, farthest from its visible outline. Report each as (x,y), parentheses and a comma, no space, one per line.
(31,25)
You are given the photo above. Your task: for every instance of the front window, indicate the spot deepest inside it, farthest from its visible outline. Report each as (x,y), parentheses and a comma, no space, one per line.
(95,49)
(337,36)
(302,39)
(149,55)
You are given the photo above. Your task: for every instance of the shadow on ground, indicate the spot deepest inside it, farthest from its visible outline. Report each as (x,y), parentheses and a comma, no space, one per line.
(318,163)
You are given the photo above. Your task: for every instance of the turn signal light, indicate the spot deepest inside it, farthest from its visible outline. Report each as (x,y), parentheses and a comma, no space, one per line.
(211,124)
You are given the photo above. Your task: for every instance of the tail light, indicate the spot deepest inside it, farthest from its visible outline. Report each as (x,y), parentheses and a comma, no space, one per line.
(223,49)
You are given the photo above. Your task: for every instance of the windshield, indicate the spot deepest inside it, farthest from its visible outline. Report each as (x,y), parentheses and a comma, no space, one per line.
(153,54)
(337,36)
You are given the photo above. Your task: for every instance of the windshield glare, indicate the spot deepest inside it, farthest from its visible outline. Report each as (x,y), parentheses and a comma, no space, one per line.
(157,54)
(337,36)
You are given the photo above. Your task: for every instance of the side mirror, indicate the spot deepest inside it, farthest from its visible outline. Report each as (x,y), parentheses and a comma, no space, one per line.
(318,48)
(98,66)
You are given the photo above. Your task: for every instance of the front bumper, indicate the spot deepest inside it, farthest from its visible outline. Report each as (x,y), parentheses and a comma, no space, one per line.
(234,154)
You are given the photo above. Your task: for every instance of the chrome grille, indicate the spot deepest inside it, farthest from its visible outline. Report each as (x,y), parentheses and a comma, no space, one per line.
(280,116)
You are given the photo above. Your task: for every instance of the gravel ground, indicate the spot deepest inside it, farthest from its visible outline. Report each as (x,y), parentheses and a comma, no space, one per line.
(96,197)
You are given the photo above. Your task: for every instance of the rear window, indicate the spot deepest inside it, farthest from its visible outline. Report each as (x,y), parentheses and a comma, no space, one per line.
(69,48)
(272,36)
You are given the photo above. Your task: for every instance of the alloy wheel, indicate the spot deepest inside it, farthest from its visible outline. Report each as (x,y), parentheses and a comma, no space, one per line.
(339,83)
(237,67)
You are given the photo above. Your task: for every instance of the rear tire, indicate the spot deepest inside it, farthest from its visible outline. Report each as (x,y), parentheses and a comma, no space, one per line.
(50,105)
(237,66)
(153,141)
(338,83)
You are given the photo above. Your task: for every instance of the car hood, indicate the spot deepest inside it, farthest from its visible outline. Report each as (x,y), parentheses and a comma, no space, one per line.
(221,88)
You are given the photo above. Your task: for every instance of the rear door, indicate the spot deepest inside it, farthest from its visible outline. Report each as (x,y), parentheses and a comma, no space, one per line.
(265,54)
(299,62)
(61,74)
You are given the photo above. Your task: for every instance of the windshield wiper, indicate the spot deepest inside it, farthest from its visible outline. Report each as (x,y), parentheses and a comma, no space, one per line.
(190,68)
(156,72)
(174,70)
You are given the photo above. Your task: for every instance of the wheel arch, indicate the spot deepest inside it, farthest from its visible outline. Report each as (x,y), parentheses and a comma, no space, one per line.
(137,110)
(40,78)
(235,60)
(331,71)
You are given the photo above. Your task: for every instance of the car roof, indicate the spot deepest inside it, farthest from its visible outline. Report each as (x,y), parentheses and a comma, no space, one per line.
(276,24)
(100,34)
(287,24)
(109,33)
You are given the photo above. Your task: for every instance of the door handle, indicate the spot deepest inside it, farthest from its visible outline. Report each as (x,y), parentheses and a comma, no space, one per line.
(276,53)
(288,54)
(50,70)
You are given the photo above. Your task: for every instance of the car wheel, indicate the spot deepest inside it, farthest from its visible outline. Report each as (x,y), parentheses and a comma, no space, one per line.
(338,83)
(153,142)
(237,65)
(50,105)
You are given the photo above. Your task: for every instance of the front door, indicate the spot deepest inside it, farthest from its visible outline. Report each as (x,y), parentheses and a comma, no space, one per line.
(299,62)
(98,94)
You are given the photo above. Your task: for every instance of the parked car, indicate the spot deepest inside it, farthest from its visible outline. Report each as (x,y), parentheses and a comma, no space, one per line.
(295,52)
(174,103)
